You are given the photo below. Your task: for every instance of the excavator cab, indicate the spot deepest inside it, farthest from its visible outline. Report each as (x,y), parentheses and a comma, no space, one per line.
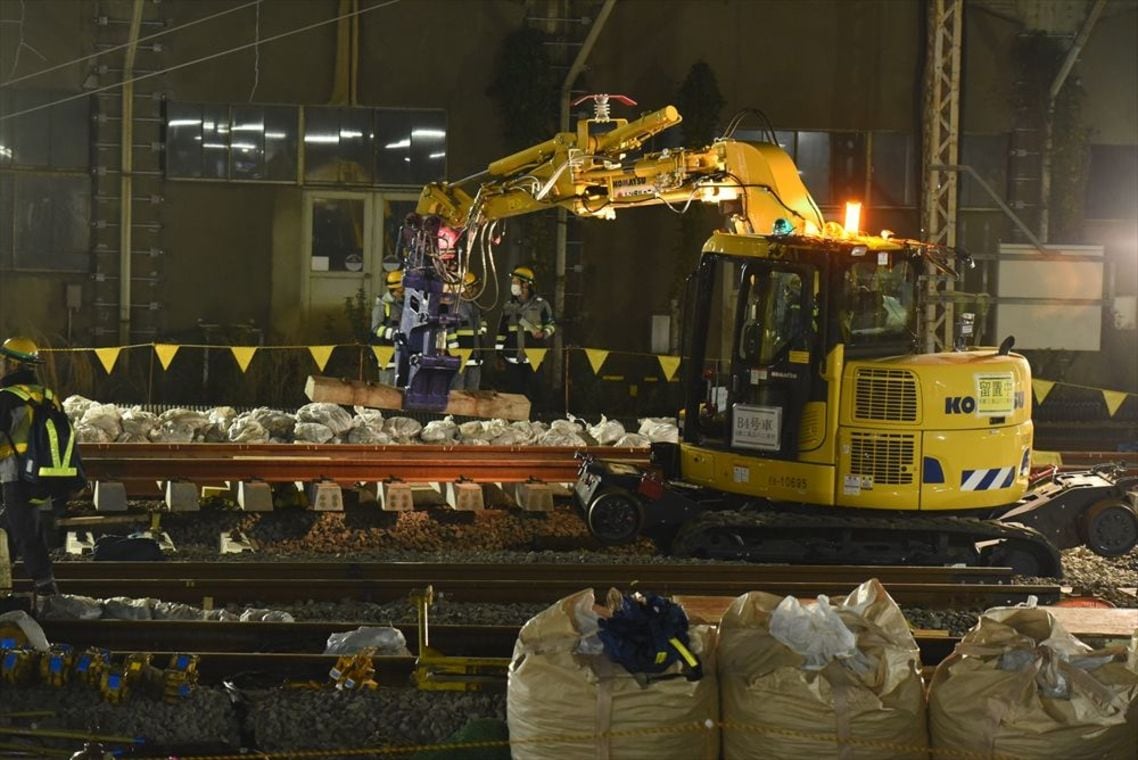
(761,341)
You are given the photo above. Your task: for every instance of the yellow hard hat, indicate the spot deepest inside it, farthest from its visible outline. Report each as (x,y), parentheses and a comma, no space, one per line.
(22,350)
(525,274)
(469,279)
(395,279)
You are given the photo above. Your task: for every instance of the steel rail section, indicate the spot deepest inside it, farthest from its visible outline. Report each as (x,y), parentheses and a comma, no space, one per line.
(259,592)
(272,649)
(343,463)
(612,574)
(356,463)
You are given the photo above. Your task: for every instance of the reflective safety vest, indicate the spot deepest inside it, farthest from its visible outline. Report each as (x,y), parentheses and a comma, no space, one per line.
(53,454)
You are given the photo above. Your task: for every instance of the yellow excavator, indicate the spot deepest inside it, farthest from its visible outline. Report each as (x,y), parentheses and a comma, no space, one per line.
(812,430)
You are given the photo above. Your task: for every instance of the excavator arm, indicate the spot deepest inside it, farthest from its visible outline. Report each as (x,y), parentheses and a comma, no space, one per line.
(589,174)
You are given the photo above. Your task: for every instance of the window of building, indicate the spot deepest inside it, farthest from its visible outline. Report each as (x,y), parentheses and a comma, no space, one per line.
(263,143)
(410,147)
(988,155)
(55,138)
(894,170)
(44,222)
(1112,183)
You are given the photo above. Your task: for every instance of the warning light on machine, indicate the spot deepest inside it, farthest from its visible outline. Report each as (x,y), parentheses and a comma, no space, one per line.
(853,217)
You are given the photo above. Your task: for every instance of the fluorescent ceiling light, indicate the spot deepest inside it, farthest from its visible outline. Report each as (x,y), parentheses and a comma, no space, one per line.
(435,134)
(437,155)
(259,127)
(215,146)
(244,146)
(321,138)
(275,135)
(350,133)
(404,143)
(184,122)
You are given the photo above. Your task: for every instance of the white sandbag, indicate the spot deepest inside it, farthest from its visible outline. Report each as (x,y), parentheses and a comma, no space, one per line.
(560,688)
(567,427)
(105,417)
(402,429)
(245,429)
(607,432)
(256,615)
(387,641)
(363,433)
(509,437)
(70,607)
(471,429)
(90,434)
(222,416)
(558,437)
(1019,685)
(75,406)
(30,628)
(839,683)
(633,441)
(660,429)
(179,426)
(439,431)
(332,416)
(137,425)
(175,611)
(312,432)
(279,424)
(126,608)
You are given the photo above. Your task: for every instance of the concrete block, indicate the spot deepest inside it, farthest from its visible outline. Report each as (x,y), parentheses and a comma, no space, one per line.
(396,496)
(162,537)
(110,496)
(255,496)
(464,496)
(325,496)
(79,543)
(182,496)
(234,542)
(534,496)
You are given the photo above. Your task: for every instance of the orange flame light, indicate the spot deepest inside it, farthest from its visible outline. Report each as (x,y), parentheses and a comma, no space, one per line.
(853,217)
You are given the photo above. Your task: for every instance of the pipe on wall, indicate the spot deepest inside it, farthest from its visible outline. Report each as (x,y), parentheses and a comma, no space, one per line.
(126,179)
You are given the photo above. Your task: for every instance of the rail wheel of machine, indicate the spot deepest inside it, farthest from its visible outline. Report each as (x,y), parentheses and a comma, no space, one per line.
(615,517)
(1110,527)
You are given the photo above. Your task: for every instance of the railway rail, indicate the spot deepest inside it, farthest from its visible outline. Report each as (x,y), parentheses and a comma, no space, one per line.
(355,463)
(347,464)
(216,584)
(291,651)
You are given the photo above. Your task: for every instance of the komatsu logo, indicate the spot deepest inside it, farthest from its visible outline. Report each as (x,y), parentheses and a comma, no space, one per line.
(959,405)
(967,404)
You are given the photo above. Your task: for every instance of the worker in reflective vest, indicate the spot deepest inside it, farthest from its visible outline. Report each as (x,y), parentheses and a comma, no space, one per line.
(18,515)
(527,321)
(385,318)
(468,336)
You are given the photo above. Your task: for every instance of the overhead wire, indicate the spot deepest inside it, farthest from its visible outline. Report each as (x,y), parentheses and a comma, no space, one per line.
(116,48)
(194,62)
(256,53)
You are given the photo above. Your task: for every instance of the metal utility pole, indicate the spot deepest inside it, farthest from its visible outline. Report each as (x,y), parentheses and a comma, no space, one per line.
(941,148)
(562,215)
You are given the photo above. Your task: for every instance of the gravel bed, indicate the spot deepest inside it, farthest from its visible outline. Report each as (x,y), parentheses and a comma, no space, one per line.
(217,720)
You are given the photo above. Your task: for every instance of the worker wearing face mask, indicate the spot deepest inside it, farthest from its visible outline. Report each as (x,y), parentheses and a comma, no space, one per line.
(527,322)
